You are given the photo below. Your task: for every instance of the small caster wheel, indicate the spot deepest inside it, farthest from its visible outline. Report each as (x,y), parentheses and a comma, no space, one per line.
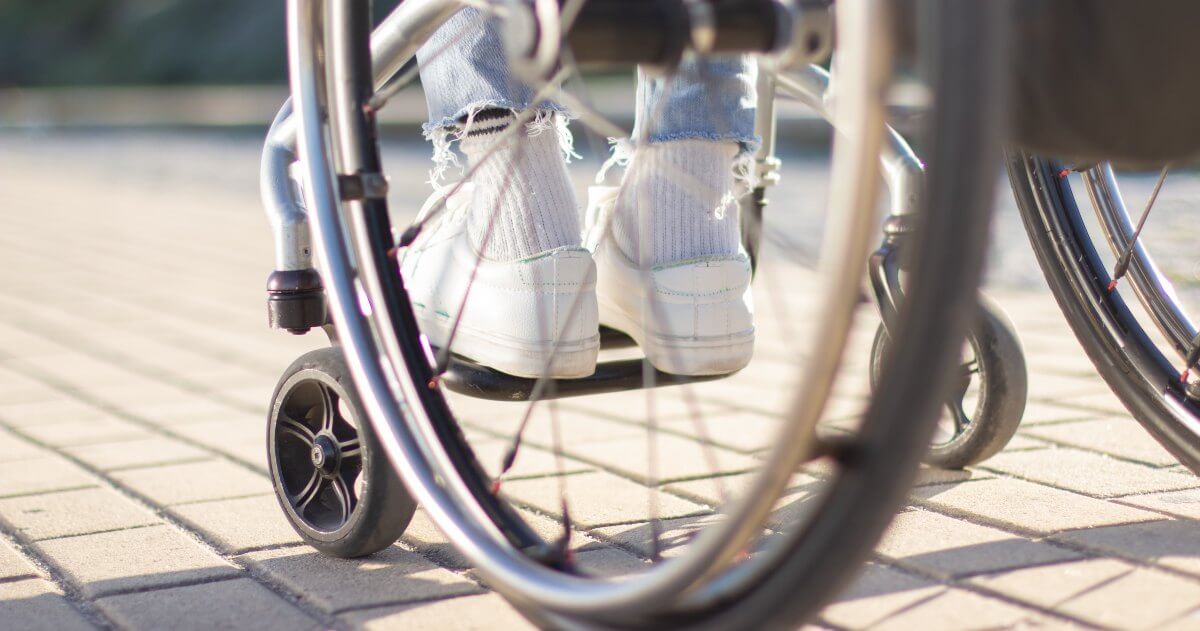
(331,477)
(987,401)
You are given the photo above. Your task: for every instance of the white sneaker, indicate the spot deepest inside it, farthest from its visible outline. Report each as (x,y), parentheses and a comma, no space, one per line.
(514,309)
(699,315)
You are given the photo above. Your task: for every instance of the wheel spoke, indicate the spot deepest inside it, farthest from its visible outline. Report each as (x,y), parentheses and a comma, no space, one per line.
(291,426)
(302,499)
(328,409)
(344,496)
(1127,256)
(960,417)
(350,448)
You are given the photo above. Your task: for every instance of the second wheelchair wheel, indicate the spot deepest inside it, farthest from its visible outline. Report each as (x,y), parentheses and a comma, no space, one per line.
(335,486)
(986,403)
(1114,285)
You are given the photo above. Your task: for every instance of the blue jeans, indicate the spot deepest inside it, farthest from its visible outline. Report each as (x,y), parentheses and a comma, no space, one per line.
(464,70)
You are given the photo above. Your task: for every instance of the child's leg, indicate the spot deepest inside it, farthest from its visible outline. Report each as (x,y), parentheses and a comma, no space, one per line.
(684,176)
(672,276)
(471,97)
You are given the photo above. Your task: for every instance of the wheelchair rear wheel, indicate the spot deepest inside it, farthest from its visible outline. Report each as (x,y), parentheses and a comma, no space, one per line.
(764,544)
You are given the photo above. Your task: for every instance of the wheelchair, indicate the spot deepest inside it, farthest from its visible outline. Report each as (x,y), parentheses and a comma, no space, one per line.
(362,432)
(1091,189)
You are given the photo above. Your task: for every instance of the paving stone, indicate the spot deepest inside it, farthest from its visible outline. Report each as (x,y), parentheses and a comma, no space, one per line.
(243,439)
(716,491)
(425,537)
(1026,507)
(877,595)
(1042,413)
(1103,401)
(13,564)
(391,576)
(676,458)
(1051,585)
(41,475)
(609,562)
(531,460)
(673,535)
(35,517)
(194,482)
(956,609)
(551,529)
(1184,504)
(739,430)
(255,398)
(186,408)
(1088,473)
(228,604)
(631,406)
(1044,385)
(777,400)
(1119,436)
(575,427)
(1185,622)
(89,432)
(598,499)
(142,452)
(485,612)
(1172,543)
(953,548)
(60,410)
(18,388)
(36,605)
(928,476)
(238,525)
(1102,591)
(14,448)
(137,559)
(1021,442)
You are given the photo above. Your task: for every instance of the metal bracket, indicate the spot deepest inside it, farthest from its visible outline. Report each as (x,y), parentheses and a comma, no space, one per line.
(360,186)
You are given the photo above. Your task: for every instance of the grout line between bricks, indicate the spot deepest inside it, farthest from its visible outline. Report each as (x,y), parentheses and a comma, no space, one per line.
(958,583)
(73,596)
(1056,443)
(85,534)
(1107,498)
(1051,539)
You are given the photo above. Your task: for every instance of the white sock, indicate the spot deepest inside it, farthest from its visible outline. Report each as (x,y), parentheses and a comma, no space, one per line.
(524,184)
(684,190)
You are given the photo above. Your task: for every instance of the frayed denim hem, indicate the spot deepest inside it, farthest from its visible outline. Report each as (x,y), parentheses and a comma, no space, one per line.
(442,134)
(746,144)
(471,110)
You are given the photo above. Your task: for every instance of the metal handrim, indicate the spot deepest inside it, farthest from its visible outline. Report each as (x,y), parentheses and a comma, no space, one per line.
(479,539)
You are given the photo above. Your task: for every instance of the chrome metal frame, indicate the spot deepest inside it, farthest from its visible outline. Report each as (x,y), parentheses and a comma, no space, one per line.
(326,146)
(903,171)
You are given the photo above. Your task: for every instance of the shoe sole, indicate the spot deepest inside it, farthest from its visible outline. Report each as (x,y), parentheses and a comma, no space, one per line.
(572,359)
(687,356)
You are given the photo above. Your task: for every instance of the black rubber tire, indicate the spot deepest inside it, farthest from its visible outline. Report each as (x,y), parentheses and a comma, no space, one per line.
(384,506)
(1139,374)
(858,504)
(1003,387)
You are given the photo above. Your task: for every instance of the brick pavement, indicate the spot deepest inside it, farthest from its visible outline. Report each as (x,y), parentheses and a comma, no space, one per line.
(135,369)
